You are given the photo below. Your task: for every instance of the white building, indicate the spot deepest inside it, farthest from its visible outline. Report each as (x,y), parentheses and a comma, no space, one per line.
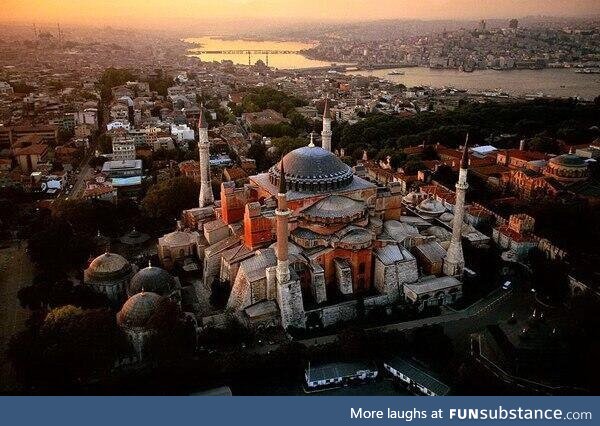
(182,132)
(118,124)
(338,373)
(5,88)
(123,149)
(87,116)
(417,380)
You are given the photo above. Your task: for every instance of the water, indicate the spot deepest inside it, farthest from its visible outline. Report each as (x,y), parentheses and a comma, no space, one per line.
(280,61)
(559,82)
(563,82)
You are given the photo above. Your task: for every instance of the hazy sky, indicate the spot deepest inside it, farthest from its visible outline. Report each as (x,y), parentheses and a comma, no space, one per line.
(138,13)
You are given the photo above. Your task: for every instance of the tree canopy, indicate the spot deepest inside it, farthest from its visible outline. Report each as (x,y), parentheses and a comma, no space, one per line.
(565,119)
(112,77)
(167,199)
(67,346)
(260,98)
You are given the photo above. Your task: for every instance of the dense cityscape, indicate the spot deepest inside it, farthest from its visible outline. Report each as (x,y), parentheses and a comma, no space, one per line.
(171,225)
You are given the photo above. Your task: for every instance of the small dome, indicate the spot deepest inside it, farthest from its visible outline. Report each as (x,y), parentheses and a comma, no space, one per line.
(442,234)
(138,310)
(447,217)
(399,231)
(431,206)
(107,266)
(178,238)
(568,160)
(412,197)
(151,279)
(312,169)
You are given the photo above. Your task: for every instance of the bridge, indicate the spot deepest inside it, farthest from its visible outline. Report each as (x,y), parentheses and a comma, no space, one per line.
(246,52)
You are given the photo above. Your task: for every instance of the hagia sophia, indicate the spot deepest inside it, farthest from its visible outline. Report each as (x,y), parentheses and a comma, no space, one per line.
(306,244)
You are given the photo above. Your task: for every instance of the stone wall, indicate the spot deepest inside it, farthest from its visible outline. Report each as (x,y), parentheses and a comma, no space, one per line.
(318,284)
(291,305)
(348,311)
(343,276)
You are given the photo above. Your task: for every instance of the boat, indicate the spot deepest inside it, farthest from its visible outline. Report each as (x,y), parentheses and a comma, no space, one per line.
(588,71)
(396,72)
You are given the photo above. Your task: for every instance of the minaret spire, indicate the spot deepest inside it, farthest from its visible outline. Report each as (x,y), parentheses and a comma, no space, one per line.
(326,132)
(282,186)
(206,197)
(464,161)
(454,262)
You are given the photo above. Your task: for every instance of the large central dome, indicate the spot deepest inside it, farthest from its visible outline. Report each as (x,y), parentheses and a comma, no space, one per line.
(312,169)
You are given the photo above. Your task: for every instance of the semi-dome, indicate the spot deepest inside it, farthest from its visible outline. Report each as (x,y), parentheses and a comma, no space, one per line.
(312,169)
(151,279)
(353,238)
(335,208)
(138,310)
(107,267)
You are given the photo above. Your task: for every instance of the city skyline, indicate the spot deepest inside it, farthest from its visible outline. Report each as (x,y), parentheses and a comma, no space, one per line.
(138,13)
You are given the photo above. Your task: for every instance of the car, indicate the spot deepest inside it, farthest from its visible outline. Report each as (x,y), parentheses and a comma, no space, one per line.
(506,285)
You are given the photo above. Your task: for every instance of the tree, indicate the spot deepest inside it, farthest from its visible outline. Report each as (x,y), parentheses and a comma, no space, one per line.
(21,87)
(411,167)
(160,84)
(112,77)
(56,248)
(298,121)
(173,337)
(70,345)
(258,152)
(167,199)
(65,135)
(46,292)
(287,144)
(97,161)
(104,144)
(260,98)
(542,143)
(276,130)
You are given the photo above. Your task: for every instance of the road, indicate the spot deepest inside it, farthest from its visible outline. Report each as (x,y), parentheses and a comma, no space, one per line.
(479,308)
(85,170)
(16,272)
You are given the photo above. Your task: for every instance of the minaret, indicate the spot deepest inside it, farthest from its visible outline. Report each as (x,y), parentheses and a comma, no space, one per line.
(206,197)
(282,212)
(326,133)
(287,287)
(454,262)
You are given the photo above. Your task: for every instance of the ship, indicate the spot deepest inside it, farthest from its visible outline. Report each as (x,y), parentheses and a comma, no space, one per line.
(588,71)
(396,72)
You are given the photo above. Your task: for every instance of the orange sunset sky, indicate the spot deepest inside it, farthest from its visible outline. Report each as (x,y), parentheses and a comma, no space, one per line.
(140,13)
